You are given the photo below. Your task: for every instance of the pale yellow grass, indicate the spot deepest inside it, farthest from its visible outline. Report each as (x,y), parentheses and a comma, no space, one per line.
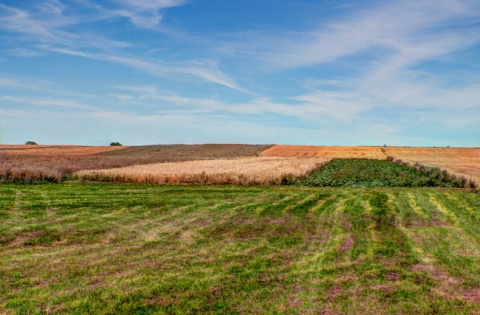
(326,152)
(459,161)
(254,170)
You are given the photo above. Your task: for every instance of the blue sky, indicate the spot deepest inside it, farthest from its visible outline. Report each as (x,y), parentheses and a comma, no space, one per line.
(215,71)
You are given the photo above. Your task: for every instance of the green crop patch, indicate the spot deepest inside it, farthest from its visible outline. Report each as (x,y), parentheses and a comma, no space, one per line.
(77,248)
(370,173)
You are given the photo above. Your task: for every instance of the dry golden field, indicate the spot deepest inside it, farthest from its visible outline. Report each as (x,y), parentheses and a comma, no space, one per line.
(326,152)
(52,163)
(459,161)
(253,170)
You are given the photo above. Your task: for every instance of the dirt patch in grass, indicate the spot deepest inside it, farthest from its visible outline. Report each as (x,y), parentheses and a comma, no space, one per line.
(24,237)
(448,286)
(472,295)
(347,245)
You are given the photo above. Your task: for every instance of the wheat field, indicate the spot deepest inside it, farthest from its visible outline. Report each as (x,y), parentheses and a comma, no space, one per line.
(254,170)
(326,152)
(459,161)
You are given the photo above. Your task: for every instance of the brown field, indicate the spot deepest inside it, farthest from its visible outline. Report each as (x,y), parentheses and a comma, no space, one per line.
(459,161)
(326,152)
(51,163)
(53,150)
(253,170)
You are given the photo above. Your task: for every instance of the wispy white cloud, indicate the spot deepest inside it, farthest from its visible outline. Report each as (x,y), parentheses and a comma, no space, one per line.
(144,13)
(205,72)
(122,97)
(66,103)
(405,28)
(26,84)
(307,107)
(46,27)
(22,52)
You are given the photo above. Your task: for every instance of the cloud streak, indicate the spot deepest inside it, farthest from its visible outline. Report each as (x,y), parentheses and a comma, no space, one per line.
(46,29)
(372,69)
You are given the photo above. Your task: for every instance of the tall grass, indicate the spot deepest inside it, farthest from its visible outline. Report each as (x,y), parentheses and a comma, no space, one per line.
(211,179)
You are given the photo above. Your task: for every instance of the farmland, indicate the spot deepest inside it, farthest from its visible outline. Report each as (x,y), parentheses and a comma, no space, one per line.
(57,163)
(460,161)
(373,173)
(53,163)
(245,171)
(82,247)
(328,152)
(124,248)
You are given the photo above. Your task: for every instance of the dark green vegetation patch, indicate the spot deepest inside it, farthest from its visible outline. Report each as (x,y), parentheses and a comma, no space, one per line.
(370,173)
(139,249)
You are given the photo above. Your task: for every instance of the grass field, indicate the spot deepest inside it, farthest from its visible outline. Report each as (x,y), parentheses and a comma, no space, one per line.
(125,248)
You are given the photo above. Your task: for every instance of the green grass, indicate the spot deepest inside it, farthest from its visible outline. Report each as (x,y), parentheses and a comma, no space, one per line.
(371,173)
(130,248)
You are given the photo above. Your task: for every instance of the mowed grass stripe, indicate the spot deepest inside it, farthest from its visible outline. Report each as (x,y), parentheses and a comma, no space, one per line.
(203,249)
(466,216)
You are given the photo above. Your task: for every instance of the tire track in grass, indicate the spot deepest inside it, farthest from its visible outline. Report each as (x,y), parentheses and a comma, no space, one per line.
(447,215)
(379,257)
(356,245)
(376,259)
(413,201)
(322,248)
(446,274)
(347,291)
(392,241)
(408,218)
(315,264)
(306,205)
(459,248)
(277,209)
(467,218)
